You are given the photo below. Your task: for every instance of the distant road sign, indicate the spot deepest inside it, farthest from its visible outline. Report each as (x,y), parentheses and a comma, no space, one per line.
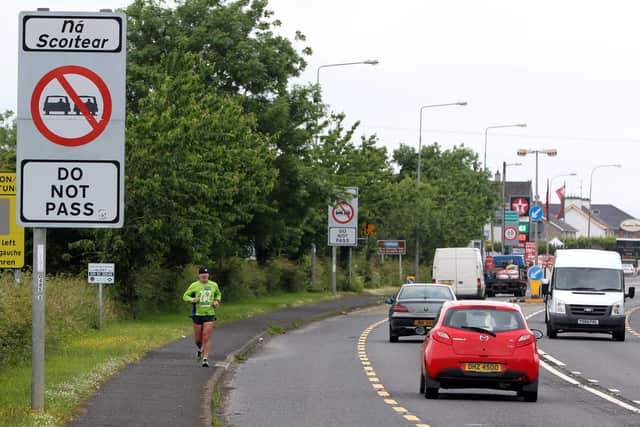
(11,236)
(392,247)
(536,213)
(511,216)
(101,273)
(535,273)
(510,233)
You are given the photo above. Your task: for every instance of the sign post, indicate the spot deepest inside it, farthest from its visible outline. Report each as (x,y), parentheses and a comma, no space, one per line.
(393,247)
(101,273)
(343,228)
(70,137)
(510,233)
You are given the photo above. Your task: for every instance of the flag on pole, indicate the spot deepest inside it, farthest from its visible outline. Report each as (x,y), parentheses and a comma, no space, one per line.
(546,204)
(560,193)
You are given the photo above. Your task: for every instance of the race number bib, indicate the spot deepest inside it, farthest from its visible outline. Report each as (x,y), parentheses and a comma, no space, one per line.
(205,297)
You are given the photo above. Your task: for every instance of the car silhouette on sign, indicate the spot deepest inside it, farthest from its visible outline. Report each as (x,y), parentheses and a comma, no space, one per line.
(89,102)
(57,103)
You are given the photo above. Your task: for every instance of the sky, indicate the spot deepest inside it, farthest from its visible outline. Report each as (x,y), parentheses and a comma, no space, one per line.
(569,70)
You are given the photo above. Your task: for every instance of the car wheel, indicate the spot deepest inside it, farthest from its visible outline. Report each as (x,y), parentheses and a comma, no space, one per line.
(619,334)
(392,336)
(429,392)
(551,331)
(529,392)
(422,381)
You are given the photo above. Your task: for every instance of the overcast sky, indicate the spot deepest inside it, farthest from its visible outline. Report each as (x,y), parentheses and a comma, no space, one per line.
(570,70)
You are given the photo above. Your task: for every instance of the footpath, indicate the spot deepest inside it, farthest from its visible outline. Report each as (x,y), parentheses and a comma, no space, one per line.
(168,388)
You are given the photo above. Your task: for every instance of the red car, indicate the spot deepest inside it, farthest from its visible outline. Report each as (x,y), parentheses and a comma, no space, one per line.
(481,344)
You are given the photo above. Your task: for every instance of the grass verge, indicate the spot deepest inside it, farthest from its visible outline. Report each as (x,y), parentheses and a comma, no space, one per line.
(76,369)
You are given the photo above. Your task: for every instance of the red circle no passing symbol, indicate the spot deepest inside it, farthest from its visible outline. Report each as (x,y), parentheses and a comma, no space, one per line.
(510,233)
(84,107)
(342,213)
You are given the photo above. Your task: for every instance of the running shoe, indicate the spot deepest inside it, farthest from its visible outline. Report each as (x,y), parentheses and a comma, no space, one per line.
(205,363)
(199,356)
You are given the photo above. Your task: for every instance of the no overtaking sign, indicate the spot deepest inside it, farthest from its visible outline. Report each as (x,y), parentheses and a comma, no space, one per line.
(71,112)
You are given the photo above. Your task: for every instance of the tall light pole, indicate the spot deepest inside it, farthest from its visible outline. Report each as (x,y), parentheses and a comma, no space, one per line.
(486,131)
(418,174)
(505,165)
(333,248)
(617,165)
(551,152)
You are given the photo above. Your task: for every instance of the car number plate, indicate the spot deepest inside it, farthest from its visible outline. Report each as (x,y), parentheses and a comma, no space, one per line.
(588,322)
(427,322)
(483,367)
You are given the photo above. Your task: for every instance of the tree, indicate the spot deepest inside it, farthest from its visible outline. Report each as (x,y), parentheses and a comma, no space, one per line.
(7,141)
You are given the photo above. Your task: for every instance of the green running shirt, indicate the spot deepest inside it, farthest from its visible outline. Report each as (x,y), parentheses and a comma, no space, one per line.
(207,292)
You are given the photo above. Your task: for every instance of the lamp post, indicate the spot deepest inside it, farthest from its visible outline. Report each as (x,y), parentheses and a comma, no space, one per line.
(486,131)
(617,165)
(418,174)
(551,152)
(505,165)
(333,248)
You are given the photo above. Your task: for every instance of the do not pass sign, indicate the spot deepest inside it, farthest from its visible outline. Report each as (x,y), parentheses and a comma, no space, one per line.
(71,105)
(71,119)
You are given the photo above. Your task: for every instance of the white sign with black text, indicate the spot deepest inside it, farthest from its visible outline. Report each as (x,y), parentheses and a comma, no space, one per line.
(101,273)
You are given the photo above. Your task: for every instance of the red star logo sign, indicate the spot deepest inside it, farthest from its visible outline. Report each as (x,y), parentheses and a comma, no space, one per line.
(521,205)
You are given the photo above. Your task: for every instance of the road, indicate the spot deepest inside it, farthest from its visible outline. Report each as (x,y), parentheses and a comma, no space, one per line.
(344,372)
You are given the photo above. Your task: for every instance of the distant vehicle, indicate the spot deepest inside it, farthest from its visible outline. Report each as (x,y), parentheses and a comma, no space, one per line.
(414,309)
(586,293)
(57,103)
(462,269)
(481,344)
(628,269)
(629,250)
(89,102)
(505,274)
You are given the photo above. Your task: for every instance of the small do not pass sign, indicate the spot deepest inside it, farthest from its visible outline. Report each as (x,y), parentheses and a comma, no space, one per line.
(71,105)
(510,233)
(343,212)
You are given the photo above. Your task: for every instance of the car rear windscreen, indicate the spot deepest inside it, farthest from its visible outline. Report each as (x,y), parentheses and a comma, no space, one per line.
(425,292)
(494,320)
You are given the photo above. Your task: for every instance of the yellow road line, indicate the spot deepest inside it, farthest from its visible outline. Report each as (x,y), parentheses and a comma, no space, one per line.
(628,324)
(375,380)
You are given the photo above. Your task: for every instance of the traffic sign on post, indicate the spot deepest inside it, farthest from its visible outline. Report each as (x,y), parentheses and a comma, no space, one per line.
(71,113)
(536,213)
(11,236)
(343,220)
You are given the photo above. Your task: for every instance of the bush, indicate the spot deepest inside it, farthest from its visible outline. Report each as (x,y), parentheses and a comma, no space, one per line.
(71,307)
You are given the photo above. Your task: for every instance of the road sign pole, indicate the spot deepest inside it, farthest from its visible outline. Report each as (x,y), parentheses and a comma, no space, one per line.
(99,305)
(313,264)
(38,318)
(333,270)
(400,267)
(350,255)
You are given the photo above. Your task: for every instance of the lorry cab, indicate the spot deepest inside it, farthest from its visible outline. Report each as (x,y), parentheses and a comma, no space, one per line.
(586,293)
(462,269)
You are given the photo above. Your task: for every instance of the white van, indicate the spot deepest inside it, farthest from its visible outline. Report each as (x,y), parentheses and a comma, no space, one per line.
(462,269)
(586,293)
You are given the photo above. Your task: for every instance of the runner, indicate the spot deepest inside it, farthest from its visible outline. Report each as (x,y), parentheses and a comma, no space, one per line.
(205,297)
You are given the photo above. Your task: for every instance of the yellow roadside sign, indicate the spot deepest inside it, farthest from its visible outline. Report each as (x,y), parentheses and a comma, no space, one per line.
(11,236)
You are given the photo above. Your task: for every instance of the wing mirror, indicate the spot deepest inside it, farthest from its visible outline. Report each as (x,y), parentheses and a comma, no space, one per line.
(537,333)
(545,287)
(632,292)
(389,300)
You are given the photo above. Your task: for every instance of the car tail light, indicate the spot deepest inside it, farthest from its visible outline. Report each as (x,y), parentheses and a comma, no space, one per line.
(479,284)
(524,340)
(399,308)
(442,337)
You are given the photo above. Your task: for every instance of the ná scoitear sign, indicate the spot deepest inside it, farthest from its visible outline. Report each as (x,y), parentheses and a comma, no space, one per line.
(71,113)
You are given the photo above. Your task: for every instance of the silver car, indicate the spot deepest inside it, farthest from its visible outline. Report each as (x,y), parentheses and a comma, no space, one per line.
(415,308)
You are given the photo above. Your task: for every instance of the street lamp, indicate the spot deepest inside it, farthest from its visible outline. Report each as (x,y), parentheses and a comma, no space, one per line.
(486,131)
(333,248)
(367,62)
(417,257)
(505,165)
(617,165)
(551,152)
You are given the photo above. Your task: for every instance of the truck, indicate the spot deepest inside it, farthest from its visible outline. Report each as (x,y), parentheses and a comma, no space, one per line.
(505,274)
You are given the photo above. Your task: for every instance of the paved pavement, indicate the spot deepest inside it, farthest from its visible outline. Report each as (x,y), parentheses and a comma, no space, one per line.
(168,388)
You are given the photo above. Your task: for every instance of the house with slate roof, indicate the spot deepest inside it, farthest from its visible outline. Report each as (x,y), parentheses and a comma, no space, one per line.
(605,218)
